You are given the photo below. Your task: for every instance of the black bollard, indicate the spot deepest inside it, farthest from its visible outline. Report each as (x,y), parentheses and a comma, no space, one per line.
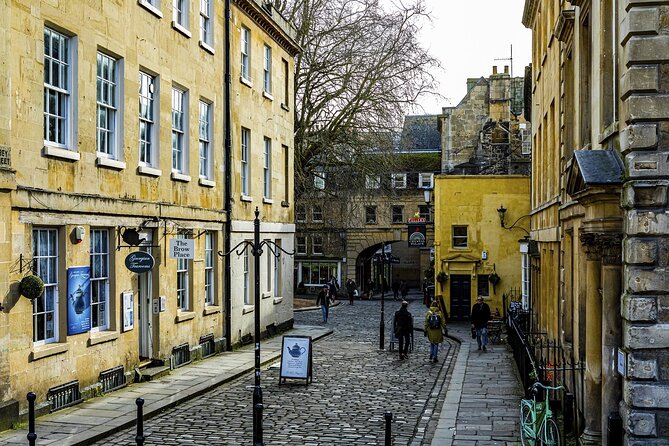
(258,433)
(32,436)
(389,417)
(139,438)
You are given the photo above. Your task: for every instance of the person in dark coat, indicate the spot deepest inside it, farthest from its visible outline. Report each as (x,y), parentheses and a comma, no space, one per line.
(350,290)
(323,300)
(396,289)
(403,328)
(479,319)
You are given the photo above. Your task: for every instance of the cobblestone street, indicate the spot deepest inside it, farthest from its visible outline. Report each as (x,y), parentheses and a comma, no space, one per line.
(354,383)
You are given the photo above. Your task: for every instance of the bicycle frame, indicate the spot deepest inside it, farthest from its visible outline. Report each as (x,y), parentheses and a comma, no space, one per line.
(535,416)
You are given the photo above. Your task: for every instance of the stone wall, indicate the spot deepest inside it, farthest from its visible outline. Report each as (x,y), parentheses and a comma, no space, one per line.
(644,117)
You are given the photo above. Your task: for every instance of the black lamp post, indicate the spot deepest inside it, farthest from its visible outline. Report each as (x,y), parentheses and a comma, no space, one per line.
(382,325)
(256,250)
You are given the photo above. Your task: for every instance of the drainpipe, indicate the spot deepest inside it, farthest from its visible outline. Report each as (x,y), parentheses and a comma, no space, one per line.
(228,181)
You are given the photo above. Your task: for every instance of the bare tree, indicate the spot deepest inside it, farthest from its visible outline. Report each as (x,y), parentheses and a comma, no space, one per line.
(360,70)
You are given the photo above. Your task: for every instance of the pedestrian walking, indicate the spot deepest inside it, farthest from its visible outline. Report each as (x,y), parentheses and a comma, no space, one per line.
(350,289)
(403,325)
(434,325)
(479,318)
(396,289)
(404,289)
(323,300)
(332,289)
(370,288)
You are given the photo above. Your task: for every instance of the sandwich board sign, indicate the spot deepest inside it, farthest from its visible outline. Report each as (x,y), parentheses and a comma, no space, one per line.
(296,358)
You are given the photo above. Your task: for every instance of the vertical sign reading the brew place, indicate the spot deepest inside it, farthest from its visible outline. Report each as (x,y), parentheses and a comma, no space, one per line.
(182,248)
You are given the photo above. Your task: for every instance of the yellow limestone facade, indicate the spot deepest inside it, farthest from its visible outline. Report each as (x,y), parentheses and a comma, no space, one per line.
(112,125)
(470,243)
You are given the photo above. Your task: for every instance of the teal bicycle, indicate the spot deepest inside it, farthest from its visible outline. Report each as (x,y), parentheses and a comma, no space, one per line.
(537,426)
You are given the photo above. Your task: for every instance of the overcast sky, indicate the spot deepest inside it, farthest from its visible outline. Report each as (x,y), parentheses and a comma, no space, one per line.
(467,36)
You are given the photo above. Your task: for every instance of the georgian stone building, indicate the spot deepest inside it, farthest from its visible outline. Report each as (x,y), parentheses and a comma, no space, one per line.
(112,131)
(599,206)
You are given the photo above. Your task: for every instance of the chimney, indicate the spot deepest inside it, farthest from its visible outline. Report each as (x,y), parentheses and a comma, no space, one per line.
(494,69)
(506,69)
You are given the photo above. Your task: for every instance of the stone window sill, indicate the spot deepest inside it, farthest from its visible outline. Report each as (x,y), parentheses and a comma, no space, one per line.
(102,161)
(246,81)
(183,316)
(285,204)
(101,337)
(246,198)
(206,183)
(266,294)
(211,309)
(64,154)
(178,176)
(248,309)
(182,29)
(267,201)
(208,48)
(149,171)
(267,95)
(149,7)
(44,351)
(277,300)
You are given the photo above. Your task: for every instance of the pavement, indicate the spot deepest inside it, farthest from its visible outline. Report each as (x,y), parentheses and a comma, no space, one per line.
(469,398)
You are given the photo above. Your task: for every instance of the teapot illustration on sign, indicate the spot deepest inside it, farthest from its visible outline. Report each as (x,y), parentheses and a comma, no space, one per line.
(78,300)
(296,351)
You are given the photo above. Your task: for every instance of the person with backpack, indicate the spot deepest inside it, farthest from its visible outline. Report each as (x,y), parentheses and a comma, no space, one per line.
(479,318)
(350,290)
(403,325)
(435,325)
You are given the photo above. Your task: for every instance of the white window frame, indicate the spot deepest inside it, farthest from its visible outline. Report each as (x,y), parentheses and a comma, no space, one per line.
(525,280)
(245,43)
(301,245)
(206,30)
(372,182)
(45,265)
(183,281)
(317,245)
(209,271)
(267,168)
(99,280)
(269,268)
(425,180)
(181,16)
(179,130)
(148,93)
(267,69)
(59,84)
(245,161)
(246,277)
(206,161)
(107,110)
(399,180)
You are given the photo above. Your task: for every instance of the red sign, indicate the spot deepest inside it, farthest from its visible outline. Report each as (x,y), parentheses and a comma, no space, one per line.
(417,220)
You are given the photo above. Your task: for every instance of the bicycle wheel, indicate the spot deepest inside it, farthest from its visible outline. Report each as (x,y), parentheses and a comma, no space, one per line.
(549,434)
(527,435)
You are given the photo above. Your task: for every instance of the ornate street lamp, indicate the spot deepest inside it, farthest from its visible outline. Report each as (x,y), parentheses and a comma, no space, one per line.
(256,250)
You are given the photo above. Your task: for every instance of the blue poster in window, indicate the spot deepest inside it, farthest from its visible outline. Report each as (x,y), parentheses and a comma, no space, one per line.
(78,299)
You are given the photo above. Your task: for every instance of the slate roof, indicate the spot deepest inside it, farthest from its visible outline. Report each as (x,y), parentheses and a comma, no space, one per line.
(420,134)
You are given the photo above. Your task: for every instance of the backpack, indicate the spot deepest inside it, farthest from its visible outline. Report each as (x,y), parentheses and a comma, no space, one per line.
(434,321)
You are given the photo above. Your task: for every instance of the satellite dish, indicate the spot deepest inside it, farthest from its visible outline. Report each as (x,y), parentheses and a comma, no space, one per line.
(131,237)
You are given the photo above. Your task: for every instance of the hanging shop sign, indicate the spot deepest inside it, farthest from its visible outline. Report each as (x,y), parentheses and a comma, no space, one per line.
(78,299)
(417,235)
(296,358)
(139,262)
(182,248)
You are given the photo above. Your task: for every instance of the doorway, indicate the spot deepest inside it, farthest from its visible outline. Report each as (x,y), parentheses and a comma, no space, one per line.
(461,289)
(144,293)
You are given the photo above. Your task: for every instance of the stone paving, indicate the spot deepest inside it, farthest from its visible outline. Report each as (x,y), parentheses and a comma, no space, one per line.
(354,383)
(468,398)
